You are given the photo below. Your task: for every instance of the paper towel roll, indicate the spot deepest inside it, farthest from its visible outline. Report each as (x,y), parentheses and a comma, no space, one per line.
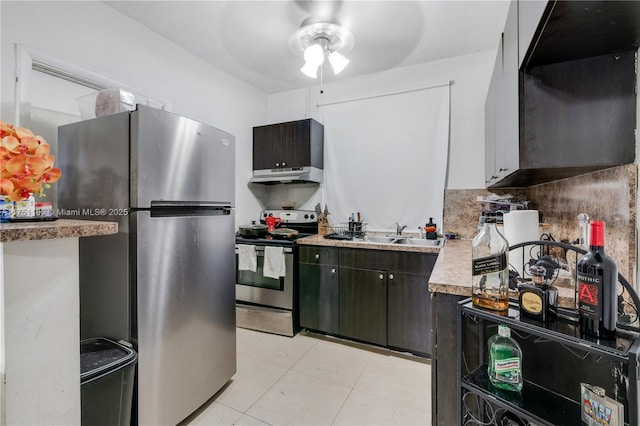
(521,226)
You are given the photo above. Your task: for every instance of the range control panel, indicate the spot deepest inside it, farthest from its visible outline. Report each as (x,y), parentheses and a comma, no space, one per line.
(291,216)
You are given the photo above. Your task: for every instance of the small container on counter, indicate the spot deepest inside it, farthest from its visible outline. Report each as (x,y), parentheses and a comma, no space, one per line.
(431,230)
(6,210)
(25,208)
(323,225)
(44,209)
(538,300)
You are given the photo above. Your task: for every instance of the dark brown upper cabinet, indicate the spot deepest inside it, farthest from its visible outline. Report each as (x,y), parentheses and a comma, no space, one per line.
(570,30)
(288,145)
(576,95)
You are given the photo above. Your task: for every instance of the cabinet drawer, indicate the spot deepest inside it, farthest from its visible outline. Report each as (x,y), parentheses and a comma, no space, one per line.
(407,262)
(414,263)
(365,259)
(318,255)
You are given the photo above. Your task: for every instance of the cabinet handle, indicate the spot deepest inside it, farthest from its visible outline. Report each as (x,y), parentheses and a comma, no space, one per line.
(390,276)
(317,256)
(381,277)
(503,170)
(333,270)
(284,164)
(277,164)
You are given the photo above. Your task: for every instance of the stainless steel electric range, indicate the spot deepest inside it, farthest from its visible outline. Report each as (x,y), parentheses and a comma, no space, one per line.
(270,304)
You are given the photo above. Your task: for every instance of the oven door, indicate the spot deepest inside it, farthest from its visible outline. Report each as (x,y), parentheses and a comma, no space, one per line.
(253,287)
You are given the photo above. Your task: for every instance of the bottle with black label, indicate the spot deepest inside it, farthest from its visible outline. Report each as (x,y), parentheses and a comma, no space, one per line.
(597,276)
(490,267)
(538,299)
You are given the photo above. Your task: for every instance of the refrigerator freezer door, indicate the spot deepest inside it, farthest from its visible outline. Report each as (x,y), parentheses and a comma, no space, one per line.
(94,158)
(186,313)
(177,159)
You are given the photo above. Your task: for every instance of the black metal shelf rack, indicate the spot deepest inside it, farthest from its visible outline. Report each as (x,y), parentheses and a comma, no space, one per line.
(556,359)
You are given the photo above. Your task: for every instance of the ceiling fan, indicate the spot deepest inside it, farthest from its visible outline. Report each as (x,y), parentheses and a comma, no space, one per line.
(322,36)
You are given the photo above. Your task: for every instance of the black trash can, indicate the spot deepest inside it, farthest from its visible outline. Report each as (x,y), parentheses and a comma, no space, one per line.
(107,371)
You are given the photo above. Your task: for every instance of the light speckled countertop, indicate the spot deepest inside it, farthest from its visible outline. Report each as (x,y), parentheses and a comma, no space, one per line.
(62,228)
(452,273)
(319,240)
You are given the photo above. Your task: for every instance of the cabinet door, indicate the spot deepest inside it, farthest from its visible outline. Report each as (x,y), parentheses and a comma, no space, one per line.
(363,305)
(581,113)
(409,312)
(318,255)
(507,103)
(267,148)
(490,121)
(319,297)
(295,144)
(529,14)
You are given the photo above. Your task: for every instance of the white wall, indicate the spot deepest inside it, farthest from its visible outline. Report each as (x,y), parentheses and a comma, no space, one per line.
(42,332)
(99,39)
(471,74)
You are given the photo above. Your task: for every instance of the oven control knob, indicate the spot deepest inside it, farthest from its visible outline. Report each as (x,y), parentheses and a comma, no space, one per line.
(306,216)
(312,216)
(265,215)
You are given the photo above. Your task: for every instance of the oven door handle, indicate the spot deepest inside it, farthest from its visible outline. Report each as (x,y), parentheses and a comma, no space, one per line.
(260,250)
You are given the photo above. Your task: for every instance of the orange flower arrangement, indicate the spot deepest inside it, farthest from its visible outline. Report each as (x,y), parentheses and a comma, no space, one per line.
(26,163)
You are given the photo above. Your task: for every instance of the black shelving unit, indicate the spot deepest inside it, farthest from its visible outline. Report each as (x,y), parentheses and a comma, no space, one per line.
(556,359)
(534,403)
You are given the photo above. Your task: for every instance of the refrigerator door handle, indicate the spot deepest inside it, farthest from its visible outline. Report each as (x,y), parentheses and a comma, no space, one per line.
(190,204)
(189,212)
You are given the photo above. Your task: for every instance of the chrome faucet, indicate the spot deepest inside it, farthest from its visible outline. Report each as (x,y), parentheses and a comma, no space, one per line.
(399,228)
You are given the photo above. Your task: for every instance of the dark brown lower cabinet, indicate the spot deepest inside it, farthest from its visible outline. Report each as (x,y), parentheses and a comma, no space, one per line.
(319,296)
(363,305)
(373,296)
(409,312)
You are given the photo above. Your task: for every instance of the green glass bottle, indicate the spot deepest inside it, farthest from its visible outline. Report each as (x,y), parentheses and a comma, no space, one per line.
(505,361)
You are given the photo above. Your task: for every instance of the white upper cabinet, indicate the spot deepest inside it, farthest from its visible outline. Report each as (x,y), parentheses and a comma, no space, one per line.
(529,15)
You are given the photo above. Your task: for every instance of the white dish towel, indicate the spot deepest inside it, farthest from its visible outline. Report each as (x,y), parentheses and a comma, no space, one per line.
(247,259)
(274,266)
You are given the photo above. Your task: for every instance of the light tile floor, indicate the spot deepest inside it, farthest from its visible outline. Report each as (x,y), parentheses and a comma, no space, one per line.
(310,380)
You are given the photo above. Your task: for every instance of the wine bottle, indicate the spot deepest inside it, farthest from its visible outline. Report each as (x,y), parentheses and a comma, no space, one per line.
(597,276)
(490,267)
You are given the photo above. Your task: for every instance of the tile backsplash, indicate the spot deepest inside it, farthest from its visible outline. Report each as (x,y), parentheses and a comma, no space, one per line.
(608,195)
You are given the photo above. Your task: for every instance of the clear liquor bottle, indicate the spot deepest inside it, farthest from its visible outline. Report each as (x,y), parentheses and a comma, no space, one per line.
(505,361)
(490,267)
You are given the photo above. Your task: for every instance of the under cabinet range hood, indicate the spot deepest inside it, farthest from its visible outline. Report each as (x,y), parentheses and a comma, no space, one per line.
(290,152)
(288,175)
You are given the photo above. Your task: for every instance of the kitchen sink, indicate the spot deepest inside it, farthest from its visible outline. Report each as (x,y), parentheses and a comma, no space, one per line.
(402,240)
(420,242)
(379,239)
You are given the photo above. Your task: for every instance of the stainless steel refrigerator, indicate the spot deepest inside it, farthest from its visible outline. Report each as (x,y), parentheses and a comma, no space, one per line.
(166,280)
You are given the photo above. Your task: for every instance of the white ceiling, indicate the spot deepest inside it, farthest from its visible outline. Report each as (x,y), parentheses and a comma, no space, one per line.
(250,39)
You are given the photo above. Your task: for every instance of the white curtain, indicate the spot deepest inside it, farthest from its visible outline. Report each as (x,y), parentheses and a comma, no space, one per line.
(386,157)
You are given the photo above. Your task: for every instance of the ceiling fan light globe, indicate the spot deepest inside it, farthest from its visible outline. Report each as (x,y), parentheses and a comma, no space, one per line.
(314,54)
(338,62)
(310,70)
